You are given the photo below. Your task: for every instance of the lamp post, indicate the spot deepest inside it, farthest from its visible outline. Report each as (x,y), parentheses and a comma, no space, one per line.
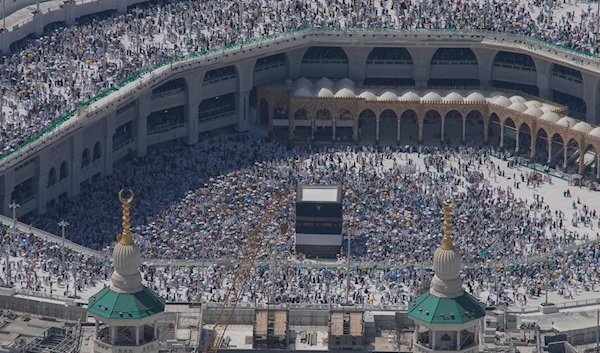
(14,207)
(63,224)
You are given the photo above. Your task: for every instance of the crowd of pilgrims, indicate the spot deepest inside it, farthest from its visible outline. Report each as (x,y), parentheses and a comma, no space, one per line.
(101,50)
(217,190)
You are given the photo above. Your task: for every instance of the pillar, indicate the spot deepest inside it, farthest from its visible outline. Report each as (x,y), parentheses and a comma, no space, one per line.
(7,190)
(416,334)
(442,131)
(42,184)
(486,130)
(291,127)
(75,163)
(70,13)
(137,336)
(517,140)
(581,159)
(549,151)
(193,100)
(355,129)
(121,7)
(5,42)
(464,129)
(333,129)
(543,72)
(590,97)
(155,330)
(357,62)
(113,334)
(501,135)
(243,108)
(485,59)
(141,130)
(38,21)
(565,155)
(598,166)
(533,148)
(108,143)
(421,64)
(377,130)
(420,122)
(432,342)
(312,128)
(294,67)
(398,131)
(96,330)
(458,348)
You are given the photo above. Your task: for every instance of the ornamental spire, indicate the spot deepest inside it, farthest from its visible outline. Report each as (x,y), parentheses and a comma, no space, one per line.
(125,237)
(447,204)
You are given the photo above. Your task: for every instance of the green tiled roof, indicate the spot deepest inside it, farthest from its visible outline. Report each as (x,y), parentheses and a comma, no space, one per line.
(113,305)
(435,310)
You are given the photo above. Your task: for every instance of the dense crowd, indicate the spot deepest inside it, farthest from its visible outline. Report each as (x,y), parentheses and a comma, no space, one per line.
(98,52)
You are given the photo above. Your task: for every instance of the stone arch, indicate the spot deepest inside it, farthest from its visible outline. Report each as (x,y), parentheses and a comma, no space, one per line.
(453,121)
(409,126)
(220,74)
(172,85)
(324,53)
(301,114)
(281,110)
(323,114)
(432,126)
(541,145)
(494,129)
(270,60)
(85,158)
(517,59)
(51,177)
(474,126)
(388,114)
(345,114)
(510,123)
(524,131)
(454,54)
(572,152)
(367,114)
(64,170)
(591,159)
(263,118)
(567,72)
(389,54)
(97,151)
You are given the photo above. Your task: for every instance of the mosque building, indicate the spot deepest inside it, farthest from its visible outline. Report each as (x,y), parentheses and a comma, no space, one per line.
(446,318)
(126,312)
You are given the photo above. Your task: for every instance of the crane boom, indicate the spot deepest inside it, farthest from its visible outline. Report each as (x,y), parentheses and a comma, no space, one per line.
(240,278)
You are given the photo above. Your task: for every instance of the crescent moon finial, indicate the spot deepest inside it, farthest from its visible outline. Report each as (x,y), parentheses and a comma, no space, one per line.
(123,200)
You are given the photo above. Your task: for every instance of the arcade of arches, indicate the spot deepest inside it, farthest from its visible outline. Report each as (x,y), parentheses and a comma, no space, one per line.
(355,120)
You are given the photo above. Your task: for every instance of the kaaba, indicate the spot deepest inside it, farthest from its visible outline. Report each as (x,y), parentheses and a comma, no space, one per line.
(319,220)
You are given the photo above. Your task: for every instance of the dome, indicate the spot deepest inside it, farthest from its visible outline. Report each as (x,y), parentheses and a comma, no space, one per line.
(497,94)
(324,93)
(551,117)
(345,93)
(126,277)
(583,127)
(302,81)
(324,82)
(517,99)
(475,97)
(566,121)
(410,96)
(302,92)
(431,97)
(446,264)
(344,82)
(453,97)
(368,95)
(533,104)
(502,101)
(533,111)
(388,95)
(546,108)
(518,106)
(595,132)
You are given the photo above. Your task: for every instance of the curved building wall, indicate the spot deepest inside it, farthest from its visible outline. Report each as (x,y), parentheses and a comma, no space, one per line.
(120,123)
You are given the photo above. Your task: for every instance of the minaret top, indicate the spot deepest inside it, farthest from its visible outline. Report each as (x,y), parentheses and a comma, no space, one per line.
(126,256)
(446,260)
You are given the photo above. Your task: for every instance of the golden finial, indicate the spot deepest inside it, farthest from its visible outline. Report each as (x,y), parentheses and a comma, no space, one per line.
(447,204)
(125,237)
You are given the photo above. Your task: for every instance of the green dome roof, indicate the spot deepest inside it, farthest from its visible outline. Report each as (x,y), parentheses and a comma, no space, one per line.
(434,310)
(112,305)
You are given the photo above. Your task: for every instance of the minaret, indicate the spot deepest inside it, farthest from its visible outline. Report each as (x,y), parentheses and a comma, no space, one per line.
(126,312)
(446,318)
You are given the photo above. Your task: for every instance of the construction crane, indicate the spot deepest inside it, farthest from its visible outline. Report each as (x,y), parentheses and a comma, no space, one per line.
(242,274)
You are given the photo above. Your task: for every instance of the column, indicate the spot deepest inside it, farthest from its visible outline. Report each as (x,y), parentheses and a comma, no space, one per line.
(38,21)
(485,58)
(5,42)
(312,128)
(432,342)
(243,108)
(357,62)
(421,64)
(333,129)
(377,130)
(458,341)
(533,148)
(486,130)
(581,159)
(141,136)
(108,143)
(517,140)
(76,163)
(398,131)
(155,329)
(416,334)
(96,330)
(464,131)
(355,130)
(420,122)
(543,71)
(565,156)
(442,131)
(549,151)
(501,135)
(598,166)
(191,121)
(590,97)
(9,186)
(113,334)
(42,184)
(294,67)
(137,336)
